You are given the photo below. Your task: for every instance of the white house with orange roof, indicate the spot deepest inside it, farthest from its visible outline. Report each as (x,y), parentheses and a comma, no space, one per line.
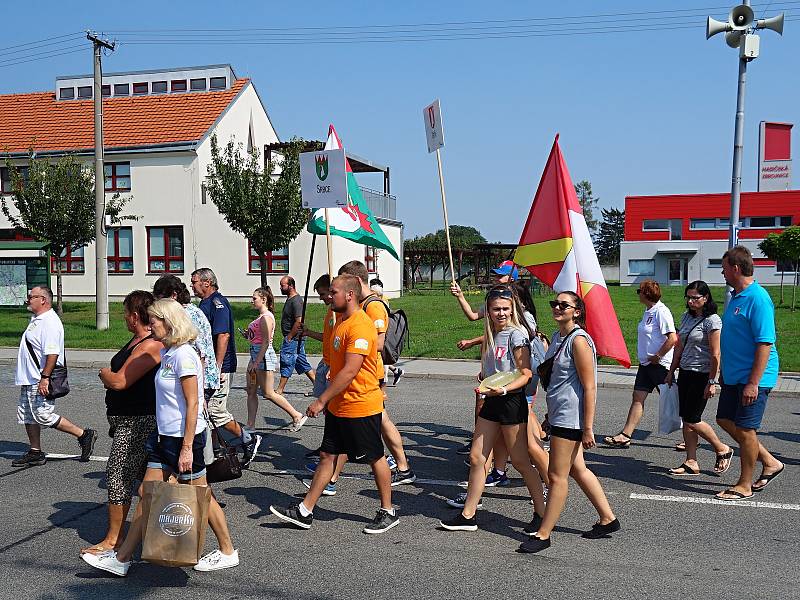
(157,136)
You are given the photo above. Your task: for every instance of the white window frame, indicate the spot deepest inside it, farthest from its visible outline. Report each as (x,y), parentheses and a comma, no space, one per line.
(640,274)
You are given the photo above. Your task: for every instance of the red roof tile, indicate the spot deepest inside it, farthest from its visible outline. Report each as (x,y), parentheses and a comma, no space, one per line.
(41,122)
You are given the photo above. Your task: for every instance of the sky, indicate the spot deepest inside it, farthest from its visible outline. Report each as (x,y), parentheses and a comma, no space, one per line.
(646,107)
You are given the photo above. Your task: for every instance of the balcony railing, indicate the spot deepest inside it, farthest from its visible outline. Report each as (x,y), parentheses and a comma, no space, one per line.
(382,205)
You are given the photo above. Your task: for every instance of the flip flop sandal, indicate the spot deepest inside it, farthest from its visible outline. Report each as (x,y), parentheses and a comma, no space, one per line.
(295,427)
(736,496)
(610,441)
(723,462)
(684,469)
(766,479)
(680,446)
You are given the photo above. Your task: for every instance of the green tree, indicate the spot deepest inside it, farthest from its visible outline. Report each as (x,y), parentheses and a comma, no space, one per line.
(462,238)
(55,202)
(790,240)
(773,247)
(264,207)
(589,205)
(610,235)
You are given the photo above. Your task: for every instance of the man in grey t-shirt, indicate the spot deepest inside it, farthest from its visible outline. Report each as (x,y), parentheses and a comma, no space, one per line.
(293,351)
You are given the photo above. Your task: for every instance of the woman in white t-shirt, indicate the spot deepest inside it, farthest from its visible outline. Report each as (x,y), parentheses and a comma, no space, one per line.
(656,338)
(175,450)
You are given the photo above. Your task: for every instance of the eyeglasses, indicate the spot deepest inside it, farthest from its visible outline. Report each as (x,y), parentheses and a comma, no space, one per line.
(35,296)
(693,298)
(560,305)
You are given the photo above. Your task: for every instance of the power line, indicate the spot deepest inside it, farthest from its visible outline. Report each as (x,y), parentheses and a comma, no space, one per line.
(53,55)
(58,37)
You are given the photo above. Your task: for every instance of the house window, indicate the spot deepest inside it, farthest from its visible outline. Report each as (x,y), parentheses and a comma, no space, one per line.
(655,225)
(122,89)
(218,83)
(139,88)
(165,249)
(85,91)
(702,224)
(71,261)
(177,85)
(277,260)
(120,250)
(159,87)
(198,85)
(105,90)
(118,176)
(15,235)
(371,259)
(714,263)
(785,222)
(5,178)
(645,267)
(676,229)
(66,93)
(761,222)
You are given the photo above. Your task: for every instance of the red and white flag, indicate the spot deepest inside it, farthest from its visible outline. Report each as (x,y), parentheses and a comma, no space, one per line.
(556,247)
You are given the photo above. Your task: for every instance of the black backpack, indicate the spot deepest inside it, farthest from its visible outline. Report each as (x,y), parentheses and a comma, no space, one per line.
(396,332)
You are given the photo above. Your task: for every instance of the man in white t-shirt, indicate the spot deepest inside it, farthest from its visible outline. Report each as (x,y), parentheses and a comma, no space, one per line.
(41,349)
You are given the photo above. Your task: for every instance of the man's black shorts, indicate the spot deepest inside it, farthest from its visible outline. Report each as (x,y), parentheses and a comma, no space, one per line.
(358,437)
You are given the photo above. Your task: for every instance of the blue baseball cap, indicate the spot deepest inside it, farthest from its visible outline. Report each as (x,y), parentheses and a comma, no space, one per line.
(507,267)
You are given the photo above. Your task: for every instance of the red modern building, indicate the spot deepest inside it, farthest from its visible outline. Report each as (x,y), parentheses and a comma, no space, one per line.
(680,238)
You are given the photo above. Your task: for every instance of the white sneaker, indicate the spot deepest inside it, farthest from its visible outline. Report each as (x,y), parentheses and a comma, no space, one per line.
(216,560)
(107,561)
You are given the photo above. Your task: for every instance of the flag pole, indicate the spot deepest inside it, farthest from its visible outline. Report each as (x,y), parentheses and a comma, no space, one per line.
(446,222)
(308,277)
(328,239)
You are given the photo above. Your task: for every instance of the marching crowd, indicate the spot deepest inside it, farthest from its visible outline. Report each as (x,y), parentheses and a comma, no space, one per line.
(168,387)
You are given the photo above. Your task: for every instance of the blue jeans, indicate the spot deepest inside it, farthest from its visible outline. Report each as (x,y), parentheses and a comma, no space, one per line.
(293,358)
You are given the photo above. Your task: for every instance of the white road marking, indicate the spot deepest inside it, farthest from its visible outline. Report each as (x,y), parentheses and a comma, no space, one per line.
(701,500)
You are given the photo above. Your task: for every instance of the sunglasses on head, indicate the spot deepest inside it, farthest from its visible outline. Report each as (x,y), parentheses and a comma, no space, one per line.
(503,293)
(560,305)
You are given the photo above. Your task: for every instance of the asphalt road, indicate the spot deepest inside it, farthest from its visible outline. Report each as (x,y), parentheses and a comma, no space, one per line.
(674,543)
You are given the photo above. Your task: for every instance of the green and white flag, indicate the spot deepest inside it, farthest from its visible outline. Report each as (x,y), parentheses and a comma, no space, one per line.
(354,221)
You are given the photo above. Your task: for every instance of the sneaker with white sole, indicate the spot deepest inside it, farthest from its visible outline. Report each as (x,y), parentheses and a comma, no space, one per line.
(402,477)
(383,521)
(292,515)
(86,442)
(495,478)
(216,560)
(390,460)
(460,500)
(107,561)
(311,467)
(295,427)
(460,523)
(330,489)
(396,375)
(251,449)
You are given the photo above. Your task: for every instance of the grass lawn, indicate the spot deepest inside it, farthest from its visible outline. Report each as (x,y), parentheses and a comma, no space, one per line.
(436,323)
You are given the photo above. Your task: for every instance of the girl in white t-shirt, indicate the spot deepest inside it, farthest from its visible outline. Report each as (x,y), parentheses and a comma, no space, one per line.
(175,451)
(656,338)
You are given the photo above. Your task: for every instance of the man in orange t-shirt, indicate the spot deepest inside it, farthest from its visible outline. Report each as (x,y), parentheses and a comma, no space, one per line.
(354,403)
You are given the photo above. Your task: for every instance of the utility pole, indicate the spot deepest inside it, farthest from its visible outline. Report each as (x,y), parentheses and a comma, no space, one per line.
(101,236)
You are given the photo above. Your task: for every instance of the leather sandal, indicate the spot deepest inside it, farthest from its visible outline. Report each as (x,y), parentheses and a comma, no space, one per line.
(724,461)
(610,441)
(684,469)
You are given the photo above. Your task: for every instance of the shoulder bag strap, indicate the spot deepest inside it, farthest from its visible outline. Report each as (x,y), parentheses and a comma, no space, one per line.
(564,341)
(33,355)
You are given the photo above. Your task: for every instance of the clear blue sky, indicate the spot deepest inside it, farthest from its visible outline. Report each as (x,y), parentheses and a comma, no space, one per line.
(639,113)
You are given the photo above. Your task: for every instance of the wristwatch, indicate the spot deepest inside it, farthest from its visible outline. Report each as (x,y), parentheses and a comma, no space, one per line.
(713,382)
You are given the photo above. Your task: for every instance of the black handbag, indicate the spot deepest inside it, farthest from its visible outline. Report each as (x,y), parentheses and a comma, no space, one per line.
(545,368)
(58,385)
(226,466)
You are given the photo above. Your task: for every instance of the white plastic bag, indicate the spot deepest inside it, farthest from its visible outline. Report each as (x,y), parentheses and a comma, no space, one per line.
(669,419)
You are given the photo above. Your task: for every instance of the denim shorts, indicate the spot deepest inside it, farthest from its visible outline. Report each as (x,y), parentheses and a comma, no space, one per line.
(163,452)
(745,417)
(321,379)
(270,362)
(293,358)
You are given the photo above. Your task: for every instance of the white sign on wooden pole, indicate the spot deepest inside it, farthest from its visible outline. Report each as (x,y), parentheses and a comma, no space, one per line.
(434,130)
(323,179)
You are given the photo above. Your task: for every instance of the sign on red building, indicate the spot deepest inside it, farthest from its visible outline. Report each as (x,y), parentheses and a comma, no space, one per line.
(774,156)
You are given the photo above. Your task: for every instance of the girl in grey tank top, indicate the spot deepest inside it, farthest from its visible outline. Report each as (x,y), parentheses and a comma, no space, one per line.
(571,397)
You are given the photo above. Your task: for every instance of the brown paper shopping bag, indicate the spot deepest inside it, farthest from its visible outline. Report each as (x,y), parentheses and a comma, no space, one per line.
(175,519)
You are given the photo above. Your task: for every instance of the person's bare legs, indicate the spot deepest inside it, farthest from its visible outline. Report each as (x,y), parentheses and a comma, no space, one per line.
(282,385)
(562,455)
(322,476)
(690,439)
(755,451)
(383,480)
(117,513)
(341,459)
(501,453)
(312,374)
(486,432)
(217,521)
(516,439)
(136,530)
(635,413)
(266,379)
(252,401)
(34,432)
(691,434)
(536,452)
(393,440)
(69,427)
(590,486)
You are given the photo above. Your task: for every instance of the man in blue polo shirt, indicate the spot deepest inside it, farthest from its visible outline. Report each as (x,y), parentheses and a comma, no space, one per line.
(749,371)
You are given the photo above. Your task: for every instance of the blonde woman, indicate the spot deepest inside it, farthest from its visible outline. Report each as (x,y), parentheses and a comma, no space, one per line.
(175,450)
(505,410)
(264,362)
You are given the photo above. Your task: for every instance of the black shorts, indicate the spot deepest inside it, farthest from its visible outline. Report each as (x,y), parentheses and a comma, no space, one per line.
(358,437)
(575,435)
(163,453)
(649,377)
(511,409)
(691,388)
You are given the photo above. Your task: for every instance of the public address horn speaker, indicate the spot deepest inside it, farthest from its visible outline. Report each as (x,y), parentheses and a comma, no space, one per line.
(773,23)
(741,17)
(713,27)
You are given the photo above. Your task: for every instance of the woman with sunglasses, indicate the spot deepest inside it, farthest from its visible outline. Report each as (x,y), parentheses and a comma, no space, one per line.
(655,341)
(264,362)
(571,397)
(505,410)
(697,354)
